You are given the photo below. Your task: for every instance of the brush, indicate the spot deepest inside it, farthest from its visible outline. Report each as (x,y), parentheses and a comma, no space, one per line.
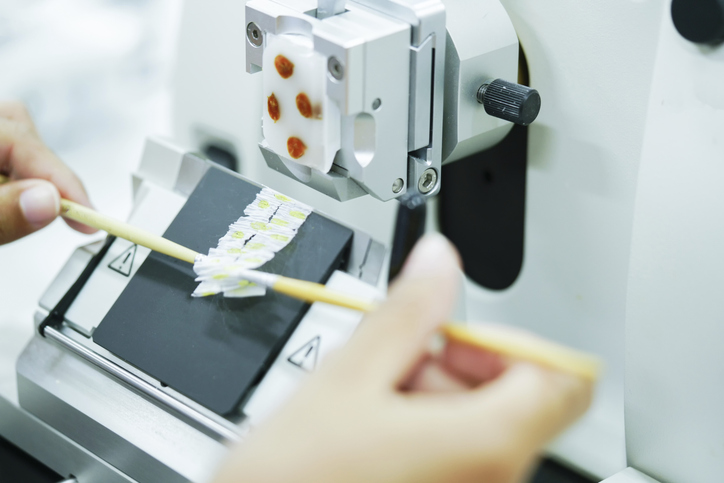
(494,339)
(306,291)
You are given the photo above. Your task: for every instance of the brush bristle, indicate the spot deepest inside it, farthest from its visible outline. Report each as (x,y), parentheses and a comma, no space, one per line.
(269,225)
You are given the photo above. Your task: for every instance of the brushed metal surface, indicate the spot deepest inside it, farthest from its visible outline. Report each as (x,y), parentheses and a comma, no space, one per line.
(53,449)
(112,422)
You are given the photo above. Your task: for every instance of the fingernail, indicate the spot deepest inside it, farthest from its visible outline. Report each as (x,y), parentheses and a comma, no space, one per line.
(432,254)
(40,204)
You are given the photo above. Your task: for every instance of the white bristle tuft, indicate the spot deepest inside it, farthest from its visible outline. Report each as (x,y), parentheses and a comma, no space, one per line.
(270,223)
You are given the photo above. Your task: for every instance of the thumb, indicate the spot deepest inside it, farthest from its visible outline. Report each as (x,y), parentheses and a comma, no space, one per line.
(391,339)
(26,206)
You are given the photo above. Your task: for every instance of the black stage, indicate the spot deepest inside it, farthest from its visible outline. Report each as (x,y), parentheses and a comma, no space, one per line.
(214,349)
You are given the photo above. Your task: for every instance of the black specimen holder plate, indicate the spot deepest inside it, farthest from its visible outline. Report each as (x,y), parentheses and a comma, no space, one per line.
(214,349)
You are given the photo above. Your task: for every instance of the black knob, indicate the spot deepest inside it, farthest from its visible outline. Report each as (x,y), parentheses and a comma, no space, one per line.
(510,101)
(700,21)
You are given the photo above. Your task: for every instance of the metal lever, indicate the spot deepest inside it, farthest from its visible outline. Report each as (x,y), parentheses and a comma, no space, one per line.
(409,227)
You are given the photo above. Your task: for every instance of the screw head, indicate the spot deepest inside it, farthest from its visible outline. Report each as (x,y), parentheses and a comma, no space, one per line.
(335,68)
(254,34)
(427,181)
(397,185)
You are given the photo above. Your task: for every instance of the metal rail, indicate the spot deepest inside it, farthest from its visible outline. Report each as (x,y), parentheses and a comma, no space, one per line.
(221,431)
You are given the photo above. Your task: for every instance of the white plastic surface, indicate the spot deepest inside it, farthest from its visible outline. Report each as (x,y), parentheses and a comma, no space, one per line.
(675,317)
(592,64)
(322,330)
(320,133)
(629,475)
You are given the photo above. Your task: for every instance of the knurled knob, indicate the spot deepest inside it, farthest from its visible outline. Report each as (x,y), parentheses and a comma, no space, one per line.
(510,101)
(700,21)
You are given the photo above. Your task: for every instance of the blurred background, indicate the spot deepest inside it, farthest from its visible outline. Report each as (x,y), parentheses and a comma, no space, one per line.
(96,75)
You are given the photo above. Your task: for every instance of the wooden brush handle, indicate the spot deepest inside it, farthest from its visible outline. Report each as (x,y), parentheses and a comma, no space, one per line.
(503,342)
(311,292)
(526,347)
(87,216)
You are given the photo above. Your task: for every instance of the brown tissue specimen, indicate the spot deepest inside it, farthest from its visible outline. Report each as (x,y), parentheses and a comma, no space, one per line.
(273,107)
(296,147)
(284,66)
(304,106)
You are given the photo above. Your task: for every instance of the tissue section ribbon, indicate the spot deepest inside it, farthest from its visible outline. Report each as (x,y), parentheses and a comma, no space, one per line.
(268,225)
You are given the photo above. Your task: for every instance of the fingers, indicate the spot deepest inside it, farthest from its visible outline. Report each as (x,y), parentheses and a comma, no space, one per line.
(17,111)
(26,206)
(24,156)
(390,341)
(431,376)
(469,364)
(459,367)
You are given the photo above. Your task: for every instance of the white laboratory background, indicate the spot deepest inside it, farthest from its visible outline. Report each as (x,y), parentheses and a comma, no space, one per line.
(96,76)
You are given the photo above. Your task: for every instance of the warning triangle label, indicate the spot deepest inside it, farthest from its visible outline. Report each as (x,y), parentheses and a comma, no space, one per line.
(123,263)
(306,356)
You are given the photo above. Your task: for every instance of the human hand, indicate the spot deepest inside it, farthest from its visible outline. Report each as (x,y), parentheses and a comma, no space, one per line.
(384,410)
(38,179)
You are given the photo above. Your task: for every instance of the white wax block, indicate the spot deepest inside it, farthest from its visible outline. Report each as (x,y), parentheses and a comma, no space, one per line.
(320,131)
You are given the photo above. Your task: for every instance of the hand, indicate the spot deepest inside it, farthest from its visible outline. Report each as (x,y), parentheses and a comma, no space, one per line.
(384,410)
(31,200)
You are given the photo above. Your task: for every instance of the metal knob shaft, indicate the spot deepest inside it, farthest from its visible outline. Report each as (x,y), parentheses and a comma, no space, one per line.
(512,102)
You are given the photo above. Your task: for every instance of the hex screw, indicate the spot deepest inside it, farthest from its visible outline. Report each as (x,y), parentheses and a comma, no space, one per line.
(427,181)
(397,185)
(254,35)
(335,67)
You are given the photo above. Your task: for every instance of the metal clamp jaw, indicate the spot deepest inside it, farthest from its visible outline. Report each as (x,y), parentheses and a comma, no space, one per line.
(397,85)
(385,62)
